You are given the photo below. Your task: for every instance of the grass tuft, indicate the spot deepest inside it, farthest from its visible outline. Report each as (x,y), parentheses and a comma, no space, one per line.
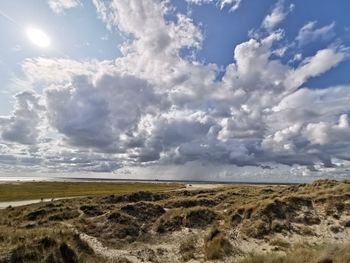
(188,248)
(216,245)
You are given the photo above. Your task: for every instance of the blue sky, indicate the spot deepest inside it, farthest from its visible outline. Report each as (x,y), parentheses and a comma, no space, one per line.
(224,30)
(77,34)
(144,84)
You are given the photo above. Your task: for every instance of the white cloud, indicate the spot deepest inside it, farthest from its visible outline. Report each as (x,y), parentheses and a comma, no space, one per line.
(151,32)
(277,15)
(308,33)
(314,126)
(60,6)
(50,70)
(325,133)
(151,106)
(234,4)
(323,61)
(333,97)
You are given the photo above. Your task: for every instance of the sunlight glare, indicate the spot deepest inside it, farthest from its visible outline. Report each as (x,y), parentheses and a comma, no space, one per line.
(38,37)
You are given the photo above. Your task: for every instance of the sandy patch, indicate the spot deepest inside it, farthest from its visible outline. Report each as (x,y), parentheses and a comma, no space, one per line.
(203,186)
(4,205)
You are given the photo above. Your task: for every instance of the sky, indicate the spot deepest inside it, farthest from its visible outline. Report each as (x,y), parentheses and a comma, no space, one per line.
(243,90)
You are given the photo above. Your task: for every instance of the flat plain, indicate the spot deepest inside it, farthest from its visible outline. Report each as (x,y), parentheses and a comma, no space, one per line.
(17,191)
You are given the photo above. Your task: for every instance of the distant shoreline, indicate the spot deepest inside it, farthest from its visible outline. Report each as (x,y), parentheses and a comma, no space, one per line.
(190,185)
(120,180)
(72,179)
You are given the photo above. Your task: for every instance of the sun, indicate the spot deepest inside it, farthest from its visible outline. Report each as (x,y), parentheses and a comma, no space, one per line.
(38,37)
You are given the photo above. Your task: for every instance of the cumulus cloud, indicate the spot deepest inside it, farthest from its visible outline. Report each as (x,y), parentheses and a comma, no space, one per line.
(149,28)
(97,115)
(151,106)
(277,15)
(315,126)
(309,33)
(59,6)
(22,126)
(324,133)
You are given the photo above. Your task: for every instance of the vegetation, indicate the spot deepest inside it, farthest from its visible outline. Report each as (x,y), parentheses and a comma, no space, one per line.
(38,190)
(188,248)
(43,244)
(235,223)
(195,217)
(216,245)
(280,243)
(325,253)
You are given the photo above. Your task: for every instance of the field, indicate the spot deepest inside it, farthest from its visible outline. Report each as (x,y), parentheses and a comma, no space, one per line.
(38,190)
(306,223)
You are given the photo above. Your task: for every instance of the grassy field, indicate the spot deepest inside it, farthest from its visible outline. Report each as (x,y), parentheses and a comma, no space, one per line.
(37,190)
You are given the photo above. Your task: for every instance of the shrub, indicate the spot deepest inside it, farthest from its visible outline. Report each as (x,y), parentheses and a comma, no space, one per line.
(91,210)
(188,247)
(68,254)
(135,197)
(216,245)
(143,211)
(199,217)
(196,217)
(34,215)
(120,218)
(65,215)
(191,202)
(256,228)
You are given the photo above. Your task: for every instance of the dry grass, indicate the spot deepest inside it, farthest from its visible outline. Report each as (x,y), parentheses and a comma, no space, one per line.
(187,248)
(219,218)
(280,243)
(43,244)
(216,245)
(195,217)
(302,253)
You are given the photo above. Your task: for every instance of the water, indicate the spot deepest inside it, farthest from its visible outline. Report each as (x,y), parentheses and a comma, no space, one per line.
(60,178)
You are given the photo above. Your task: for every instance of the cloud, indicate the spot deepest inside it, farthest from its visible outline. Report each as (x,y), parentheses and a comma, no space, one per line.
(308,33)
(323,61)
(149,28)
(324,133)
(98,114)
(277,15)
(315,126)
(153,107)
(61,70)
(60,6)
(235,4)
(22,126)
